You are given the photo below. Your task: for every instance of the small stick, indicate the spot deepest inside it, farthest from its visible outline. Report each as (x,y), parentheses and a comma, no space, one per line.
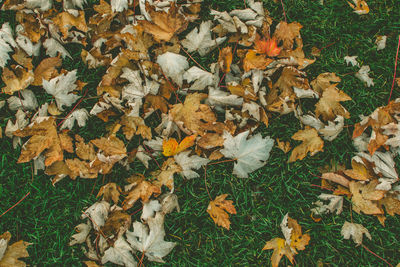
(284,13)
(15,204)
(395,69)
(376,255)
(205,181)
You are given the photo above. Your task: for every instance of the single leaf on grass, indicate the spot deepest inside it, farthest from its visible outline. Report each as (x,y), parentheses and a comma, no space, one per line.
(82,230)
(294,240)
(10,254)
(250,154)
(335,204)
(171,146)
(219,209)
(284,146)
(312,144)
(355,231)
(363,75)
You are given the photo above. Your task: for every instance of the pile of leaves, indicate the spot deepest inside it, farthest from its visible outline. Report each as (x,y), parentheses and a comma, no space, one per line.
(157,103)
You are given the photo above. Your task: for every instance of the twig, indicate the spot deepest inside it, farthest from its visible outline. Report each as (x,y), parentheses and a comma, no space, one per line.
(76,105)
(283,8)
(15,204)
(376,255)
(395,69)
(205,181)
(141,259)
(222,161)
(198,64)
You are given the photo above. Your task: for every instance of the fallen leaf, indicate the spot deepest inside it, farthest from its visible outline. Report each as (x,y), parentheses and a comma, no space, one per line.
(219,209)
(171,146)
(312,144)
(225,59)
(355,231)
(360,7)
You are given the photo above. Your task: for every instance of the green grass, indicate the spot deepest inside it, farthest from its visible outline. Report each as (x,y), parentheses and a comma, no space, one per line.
(48,215)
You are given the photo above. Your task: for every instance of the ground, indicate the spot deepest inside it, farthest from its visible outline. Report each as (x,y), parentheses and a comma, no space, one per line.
(47,217)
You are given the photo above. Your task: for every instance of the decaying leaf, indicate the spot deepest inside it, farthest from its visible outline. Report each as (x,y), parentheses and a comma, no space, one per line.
(312,144)
(355,231)
(219,209)
(10,254)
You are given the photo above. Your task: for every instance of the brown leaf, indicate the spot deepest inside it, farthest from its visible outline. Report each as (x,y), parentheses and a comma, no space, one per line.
(210,140)
(280,249)
(17,80)
(84,151)
(143,190)
(255,61)
(165,176)
(391,204)
(329,106)
(219,209)
(225,59)
(312,144)
(14,252)
(46,70)
(164,25)
(193,117)
(336,178)
(284,146)
(360,203)
(288,33)
(324,81)
(66,21)
(116,224)
(111,146)
(110,191)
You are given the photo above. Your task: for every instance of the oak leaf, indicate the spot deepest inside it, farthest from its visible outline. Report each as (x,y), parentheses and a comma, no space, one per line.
(312,144)
(219,209)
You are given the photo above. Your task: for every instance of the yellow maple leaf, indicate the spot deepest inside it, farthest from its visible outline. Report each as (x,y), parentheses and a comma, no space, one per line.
(219,209)
(171,147)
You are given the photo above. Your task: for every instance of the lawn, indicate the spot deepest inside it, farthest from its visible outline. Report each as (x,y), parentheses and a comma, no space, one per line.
(48,215)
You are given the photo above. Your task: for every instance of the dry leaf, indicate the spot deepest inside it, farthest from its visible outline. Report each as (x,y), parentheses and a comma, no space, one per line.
(312,144)
(225,59)
(11,253)
(171,147)
(355,231)
(46,70)
(360,7)
(219,209)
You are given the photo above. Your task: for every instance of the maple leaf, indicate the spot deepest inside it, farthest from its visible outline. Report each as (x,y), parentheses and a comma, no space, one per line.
(202,78)
(189,163)
(150,239)
(53,48)
(355,231)
(365,196)
(164,25)
(250,154)
(335,204)
(219,209)
(351,60)
(287,33)
(7,43)
(119,254)
(360,7)
(82,230)
(16,80)
(61,87)
(225,59)
(173,66)
(199,39)
(10,254)
(171,147)
(26,99)
(141,189)
(294,240)
(79,115)
(329,104)
(98,214)
(363,75)
(312,144)
(46,70)
(254,61)
(110,191)
(269,47)
(66,21)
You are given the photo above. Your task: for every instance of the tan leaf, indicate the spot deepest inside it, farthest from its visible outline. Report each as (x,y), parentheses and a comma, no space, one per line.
(210,140)
(255,61)
(84,151)
(391,204)
(360,203)
(116,224)
(110,191)
(65,21)
(219,209)
(329,104)
(312,144)
(14,252)
(280,249)
(46,70)
(143,190)
(324,81)
(110,146)
(336,178)
(164,25)
(284,146)
(225,59)
(17,80)
(53,109)
(287,33)
(165,176)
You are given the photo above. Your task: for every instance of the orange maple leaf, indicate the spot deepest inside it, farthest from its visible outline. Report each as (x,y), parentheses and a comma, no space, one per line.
(269,47)
(171,147)
(219,209)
